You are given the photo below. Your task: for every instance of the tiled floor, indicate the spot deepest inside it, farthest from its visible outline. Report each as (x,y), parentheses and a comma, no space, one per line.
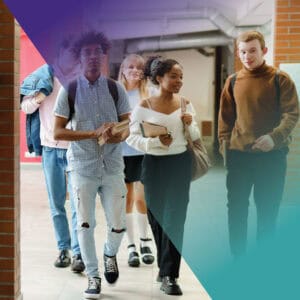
(41,280)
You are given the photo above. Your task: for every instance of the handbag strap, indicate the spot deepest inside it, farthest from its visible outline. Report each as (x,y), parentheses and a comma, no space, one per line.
(149,103)
(185,127)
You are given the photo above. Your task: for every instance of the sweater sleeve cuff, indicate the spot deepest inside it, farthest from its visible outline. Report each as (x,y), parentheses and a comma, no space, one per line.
(223,146)
(155,143)
(277,138)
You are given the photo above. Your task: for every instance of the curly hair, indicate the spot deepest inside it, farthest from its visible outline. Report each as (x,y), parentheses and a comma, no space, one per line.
(91,37)
(156,66)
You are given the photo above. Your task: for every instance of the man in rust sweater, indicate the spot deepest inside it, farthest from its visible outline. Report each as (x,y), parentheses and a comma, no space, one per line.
(258,111)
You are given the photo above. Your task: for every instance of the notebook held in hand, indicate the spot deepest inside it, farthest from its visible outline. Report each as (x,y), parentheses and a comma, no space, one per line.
(152,130)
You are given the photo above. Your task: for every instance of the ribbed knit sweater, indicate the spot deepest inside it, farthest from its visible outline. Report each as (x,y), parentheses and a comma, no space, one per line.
(252,109)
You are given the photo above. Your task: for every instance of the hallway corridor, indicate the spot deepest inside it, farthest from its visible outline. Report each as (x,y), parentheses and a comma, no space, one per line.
(42,281)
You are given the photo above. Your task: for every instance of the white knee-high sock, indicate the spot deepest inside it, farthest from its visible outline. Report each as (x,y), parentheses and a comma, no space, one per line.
(142,220)
(130,228)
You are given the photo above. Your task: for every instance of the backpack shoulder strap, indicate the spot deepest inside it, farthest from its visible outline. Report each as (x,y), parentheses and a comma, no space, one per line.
(112,86)
(231,89)
(277,86)
(71,97)
(113,90)
(232,83)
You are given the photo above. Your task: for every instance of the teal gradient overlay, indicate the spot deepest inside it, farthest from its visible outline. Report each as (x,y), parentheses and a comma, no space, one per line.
(270,270)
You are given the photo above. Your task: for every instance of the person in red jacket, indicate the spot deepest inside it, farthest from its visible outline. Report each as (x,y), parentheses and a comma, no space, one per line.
(258,111)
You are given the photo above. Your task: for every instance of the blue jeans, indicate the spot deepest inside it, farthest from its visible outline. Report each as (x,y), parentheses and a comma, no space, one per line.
(54,166)
(112,191)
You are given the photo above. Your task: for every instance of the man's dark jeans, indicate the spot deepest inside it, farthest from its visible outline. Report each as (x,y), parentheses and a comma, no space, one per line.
(265,172)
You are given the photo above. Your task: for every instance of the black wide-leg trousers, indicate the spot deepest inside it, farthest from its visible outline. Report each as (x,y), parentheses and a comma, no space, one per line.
(166,181)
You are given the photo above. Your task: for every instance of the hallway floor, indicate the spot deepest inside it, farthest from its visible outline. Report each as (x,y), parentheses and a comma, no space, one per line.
(41,280)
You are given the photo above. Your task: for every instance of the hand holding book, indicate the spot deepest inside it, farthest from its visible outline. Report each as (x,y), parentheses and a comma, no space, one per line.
(155,130)
(152,129)
(113,133)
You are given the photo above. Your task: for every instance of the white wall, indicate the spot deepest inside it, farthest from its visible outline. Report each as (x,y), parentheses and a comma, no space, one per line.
(198,80)
(270,45)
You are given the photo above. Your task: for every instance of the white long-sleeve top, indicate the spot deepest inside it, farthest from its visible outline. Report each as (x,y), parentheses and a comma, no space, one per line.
(174,125)
(29,106)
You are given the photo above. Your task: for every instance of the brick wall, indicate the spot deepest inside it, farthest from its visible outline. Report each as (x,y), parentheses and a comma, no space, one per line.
(287,32)
(287,50)
(9,157)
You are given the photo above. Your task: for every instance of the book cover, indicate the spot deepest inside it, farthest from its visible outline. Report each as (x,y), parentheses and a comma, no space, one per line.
(152,130)
(116,129)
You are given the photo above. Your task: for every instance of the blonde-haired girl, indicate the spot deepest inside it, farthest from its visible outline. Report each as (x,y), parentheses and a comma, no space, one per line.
(131,75)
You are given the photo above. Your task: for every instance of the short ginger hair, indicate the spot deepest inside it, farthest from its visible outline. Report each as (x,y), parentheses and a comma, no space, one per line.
(251,35)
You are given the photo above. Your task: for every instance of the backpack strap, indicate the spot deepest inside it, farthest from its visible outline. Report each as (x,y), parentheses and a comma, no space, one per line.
(232,83)
(231,87)
(113,90)
(112,87)
(71,97)
(277,86)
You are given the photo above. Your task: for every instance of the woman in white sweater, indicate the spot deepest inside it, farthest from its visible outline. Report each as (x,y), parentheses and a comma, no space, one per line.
(166,170)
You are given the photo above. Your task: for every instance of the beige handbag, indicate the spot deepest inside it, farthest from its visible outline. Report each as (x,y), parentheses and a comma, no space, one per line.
(200,159)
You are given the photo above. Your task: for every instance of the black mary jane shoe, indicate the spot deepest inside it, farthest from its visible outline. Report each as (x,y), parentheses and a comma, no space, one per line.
(146,253)
(133,259)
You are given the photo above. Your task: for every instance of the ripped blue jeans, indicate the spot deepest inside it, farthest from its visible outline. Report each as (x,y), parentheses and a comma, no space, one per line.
(112,192)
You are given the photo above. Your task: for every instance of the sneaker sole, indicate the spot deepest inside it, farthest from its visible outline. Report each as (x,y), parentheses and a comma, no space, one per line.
(111,281)
(62,265)
(172,293)
(77,270)
(89,296)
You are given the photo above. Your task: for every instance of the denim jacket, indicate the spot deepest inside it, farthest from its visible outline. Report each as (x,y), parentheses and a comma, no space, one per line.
(41,80)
